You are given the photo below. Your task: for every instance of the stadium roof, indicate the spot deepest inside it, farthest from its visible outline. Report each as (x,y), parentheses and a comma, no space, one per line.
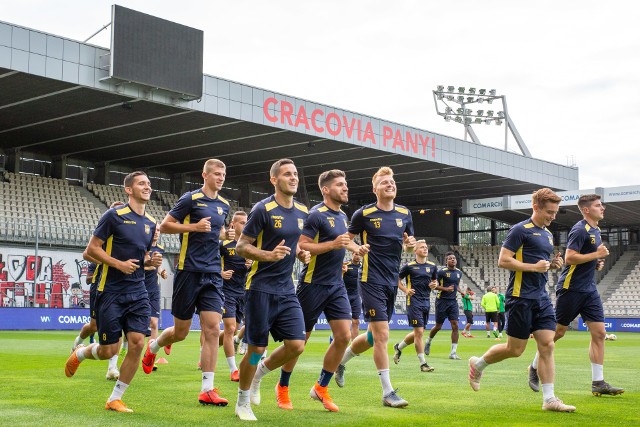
(56,99)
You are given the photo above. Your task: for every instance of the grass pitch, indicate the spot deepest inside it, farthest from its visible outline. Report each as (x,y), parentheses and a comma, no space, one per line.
(34,390)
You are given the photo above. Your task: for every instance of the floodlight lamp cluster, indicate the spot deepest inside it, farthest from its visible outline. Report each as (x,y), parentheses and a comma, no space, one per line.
(473,94)
(464,96)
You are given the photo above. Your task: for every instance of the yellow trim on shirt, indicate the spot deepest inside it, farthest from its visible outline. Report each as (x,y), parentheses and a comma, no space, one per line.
(271,205)
(185,244)
(105,267)
(517,282)
(567,280)
(365,260)
(312,263)
(301,207)
(254,266)
(368,211)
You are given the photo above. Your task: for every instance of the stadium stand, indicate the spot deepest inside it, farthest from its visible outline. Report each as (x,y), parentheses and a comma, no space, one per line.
(61,215)
(624,300)
(48,207)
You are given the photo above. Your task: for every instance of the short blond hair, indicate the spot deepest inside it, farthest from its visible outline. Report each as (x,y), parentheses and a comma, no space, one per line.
(544,196)
(213,163)
(422,241)
(383,171)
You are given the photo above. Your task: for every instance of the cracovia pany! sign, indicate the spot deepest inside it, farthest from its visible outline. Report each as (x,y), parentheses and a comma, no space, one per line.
(334,124)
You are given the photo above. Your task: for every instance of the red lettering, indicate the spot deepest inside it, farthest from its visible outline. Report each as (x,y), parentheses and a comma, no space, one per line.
(338,129)
(56,296)
(31,268)
(387,134)
(424,142)
(314,122)
(302,117)
(41,293)
(349,130)
(3,273)
(412,144)
(368,134)
(286,110)
(359,123)
(265,109)
(398,140)
(433,147)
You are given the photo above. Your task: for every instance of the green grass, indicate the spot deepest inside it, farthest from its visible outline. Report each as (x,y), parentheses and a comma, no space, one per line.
(34,390)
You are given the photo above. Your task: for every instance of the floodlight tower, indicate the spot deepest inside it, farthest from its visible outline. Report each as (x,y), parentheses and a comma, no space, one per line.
(445,100)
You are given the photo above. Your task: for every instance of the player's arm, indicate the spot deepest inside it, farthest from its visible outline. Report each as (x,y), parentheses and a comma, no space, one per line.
(89,258)
(439,287)
(171,225)
(246,249)
(303,255)
(95,251)
(152,260)
(356,227)
(308,244)
(226,233)
(361,250)
(402,287)
(575,258)
(405,289)
(408,242)
(507,261)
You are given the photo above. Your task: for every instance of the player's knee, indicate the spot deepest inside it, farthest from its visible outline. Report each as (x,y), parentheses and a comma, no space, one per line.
(515,351)
(180,334)
(546,348)
(598,335)
(135,342)
(560,333)
(341,338)
(107,351)
(295,348)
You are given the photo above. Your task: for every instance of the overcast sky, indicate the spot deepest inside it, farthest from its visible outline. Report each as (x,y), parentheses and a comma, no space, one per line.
(570,69)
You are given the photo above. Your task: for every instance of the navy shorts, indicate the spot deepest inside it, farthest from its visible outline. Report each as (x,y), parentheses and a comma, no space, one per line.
(233,307)
(377,301)
(446,309)
(196,292)
(154,301)
(315,299)
(571,303)
(117,313)
(418,315)
(469,315)
(93,292)
(491,316)
(525,316)
(279,314)
(356,303)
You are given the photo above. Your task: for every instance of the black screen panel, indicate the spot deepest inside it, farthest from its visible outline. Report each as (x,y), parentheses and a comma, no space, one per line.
(156,52)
